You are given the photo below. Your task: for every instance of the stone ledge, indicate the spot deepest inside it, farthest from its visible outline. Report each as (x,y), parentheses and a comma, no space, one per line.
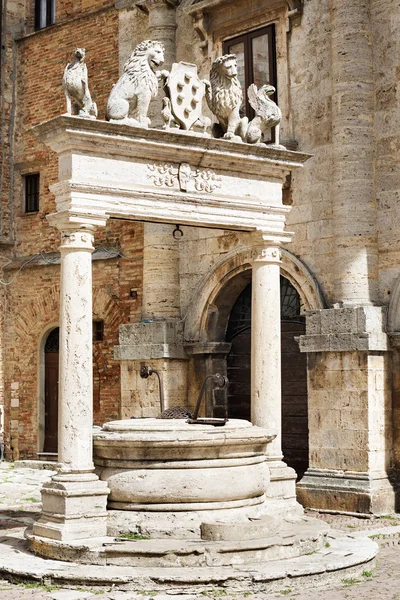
(151,340)
(201,348)
(359,328)
(345,342)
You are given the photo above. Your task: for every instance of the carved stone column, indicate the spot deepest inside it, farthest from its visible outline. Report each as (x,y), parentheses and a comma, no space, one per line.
(266,395)
(74,502)
(162,24)
(355,265)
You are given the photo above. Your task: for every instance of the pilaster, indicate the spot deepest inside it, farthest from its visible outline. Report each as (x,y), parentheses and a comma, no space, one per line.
(350,411)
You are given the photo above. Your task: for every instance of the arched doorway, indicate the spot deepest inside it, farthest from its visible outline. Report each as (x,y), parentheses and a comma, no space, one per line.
(294,371)
(51,349)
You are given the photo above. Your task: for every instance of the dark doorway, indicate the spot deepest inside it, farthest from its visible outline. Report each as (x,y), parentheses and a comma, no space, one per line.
(294,372)
(51,392)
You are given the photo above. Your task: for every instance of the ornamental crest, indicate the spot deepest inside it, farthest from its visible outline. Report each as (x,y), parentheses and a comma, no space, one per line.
(186,92)
(182,176)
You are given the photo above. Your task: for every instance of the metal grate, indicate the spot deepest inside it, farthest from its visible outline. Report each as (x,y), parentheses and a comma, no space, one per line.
(32,189)
(53,341)
(240,318)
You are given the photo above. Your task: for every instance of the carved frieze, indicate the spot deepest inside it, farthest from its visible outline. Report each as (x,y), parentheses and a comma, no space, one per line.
(184,177)
(163,175)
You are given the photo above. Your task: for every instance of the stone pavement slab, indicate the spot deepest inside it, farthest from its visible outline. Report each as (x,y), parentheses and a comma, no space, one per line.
(70,595)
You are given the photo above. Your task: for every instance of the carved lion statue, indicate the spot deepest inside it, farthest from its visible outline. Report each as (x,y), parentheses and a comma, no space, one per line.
(224,94)
(75,84)
(130,97)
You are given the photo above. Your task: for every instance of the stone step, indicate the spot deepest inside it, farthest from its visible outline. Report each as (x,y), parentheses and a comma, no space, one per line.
(296,537)
(346,556)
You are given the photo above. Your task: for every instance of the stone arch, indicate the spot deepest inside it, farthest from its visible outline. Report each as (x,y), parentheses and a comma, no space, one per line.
(40,309)
(209,310)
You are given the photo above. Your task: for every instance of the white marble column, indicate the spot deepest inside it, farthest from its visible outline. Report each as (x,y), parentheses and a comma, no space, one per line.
(74,502)
(266,393)
(76,372)
(266,345)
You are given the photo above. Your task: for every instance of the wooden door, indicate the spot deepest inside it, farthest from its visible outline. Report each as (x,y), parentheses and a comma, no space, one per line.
(294,372)
(51,393)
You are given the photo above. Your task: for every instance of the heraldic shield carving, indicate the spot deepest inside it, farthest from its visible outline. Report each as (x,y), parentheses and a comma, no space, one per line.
(186,92)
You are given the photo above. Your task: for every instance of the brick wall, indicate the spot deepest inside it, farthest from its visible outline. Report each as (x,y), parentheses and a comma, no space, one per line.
(30,308)
(42,58)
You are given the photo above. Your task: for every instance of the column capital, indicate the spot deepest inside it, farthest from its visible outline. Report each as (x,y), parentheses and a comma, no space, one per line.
(71,222)
(147,5)
(266,246)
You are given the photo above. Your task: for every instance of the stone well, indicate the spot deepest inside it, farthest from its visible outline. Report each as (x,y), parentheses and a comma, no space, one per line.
(167,477)
(187,495)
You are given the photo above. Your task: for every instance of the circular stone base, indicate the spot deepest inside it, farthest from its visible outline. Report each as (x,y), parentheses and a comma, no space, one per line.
(235,545)
(345,557)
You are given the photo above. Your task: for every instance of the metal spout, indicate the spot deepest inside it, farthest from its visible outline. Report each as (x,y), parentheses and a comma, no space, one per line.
(220,380)
(145,372)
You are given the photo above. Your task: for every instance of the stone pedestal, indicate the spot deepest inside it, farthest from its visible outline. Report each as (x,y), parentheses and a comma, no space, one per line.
(266,395)
(74,502)
(350,411)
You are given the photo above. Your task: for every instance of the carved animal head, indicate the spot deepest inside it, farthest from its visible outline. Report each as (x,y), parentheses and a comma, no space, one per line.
(149,51)
(225,67)
(267,90)
(226,89)
(80,54)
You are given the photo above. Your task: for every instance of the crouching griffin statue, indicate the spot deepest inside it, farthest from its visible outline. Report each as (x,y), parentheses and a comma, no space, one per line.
(130,97)
(76,87)
(225,96)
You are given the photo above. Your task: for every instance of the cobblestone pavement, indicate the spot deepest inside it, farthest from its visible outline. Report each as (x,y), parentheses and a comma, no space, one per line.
(20,504)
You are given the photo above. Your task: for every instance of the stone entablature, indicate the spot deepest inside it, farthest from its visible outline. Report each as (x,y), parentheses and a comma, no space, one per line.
(108,170)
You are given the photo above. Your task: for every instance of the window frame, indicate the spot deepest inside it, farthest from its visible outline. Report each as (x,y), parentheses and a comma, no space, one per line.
(31,199)
(246,39)
(50,13)
(98,330)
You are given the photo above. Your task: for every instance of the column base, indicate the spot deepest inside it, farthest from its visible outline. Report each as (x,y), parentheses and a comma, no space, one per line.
(281,491)
(73,510)
(346,492)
